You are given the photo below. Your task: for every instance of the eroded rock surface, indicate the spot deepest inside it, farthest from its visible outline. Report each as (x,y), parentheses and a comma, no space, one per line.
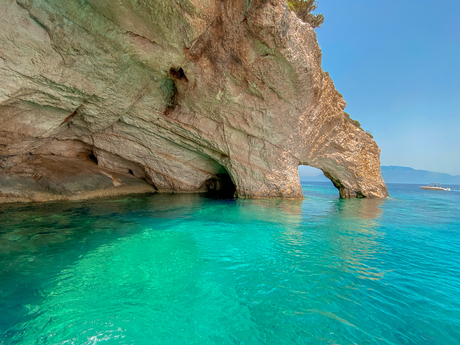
(187,95)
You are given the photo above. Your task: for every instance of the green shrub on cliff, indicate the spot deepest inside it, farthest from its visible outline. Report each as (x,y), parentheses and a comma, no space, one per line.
(355,122)
(304,9)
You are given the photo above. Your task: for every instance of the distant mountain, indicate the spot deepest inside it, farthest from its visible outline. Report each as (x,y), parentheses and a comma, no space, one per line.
(307,173)
(397,174)
(318,178)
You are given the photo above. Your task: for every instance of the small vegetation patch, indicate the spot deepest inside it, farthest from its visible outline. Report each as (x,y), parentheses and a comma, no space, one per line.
(356,123)
(304,9)
(169,90)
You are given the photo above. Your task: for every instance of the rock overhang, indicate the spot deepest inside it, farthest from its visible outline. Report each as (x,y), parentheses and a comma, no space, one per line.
(178,93)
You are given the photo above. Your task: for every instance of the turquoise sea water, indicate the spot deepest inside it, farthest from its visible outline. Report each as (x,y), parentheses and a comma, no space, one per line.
(183,269)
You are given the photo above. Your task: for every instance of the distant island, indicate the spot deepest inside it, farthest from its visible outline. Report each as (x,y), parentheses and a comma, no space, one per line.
(393,174)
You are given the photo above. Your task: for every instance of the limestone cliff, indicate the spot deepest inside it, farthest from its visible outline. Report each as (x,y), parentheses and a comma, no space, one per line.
(187,95)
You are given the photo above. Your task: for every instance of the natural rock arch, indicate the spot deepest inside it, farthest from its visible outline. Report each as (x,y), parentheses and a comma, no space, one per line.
(189,87)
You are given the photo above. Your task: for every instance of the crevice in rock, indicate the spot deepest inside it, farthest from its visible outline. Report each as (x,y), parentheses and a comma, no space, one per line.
(170,89)
(178,73)
(132,34)
(38,23)
(89,155)
(92,157)
(70,117)
(149,181)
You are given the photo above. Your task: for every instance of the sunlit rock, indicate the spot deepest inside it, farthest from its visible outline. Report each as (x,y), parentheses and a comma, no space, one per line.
(186,95)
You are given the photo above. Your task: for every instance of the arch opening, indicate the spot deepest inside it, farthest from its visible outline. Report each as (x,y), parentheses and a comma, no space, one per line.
(309,174)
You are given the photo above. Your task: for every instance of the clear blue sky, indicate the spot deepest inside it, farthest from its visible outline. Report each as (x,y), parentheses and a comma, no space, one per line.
(397,65)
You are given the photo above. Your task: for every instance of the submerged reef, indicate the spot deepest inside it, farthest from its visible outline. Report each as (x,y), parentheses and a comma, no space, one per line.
(103,98)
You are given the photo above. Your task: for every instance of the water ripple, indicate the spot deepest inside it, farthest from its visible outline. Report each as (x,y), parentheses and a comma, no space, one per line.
(190,270)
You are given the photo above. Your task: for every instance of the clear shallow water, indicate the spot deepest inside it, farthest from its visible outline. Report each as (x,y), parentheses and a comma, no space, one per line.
(183,269)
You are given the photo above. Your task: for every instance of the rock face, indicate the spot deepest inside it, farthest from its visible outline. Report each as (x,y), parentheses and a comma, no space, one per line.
(189,95)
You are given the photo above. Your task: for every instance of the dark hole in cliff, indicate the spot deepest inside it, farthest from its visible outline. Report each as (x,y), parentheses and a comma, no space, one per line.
(220,187)
(87,155)
(178,73)
(92,157)
(236,59)
(359,194)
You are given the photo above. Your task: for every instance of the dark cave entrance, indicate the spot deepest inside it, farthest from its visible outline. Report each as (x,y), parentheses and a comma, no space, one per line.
(220,187)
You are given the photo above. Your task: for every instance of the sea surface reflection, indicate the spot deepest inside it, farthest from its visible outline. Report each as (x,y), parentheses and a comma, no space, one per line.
(186,269)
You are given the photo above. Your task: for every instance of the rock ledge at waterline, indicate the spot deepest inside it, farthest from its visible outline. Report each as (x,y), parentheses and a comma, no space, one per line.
(103,98)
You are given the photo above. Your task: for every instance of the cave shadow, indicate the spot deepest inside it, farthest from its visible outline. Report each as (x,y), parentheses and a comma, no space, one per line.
(220,186)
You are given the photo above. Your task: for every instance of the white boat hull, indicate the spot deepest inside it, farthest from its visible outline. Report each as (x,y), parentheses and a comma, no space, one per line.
(433,188)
